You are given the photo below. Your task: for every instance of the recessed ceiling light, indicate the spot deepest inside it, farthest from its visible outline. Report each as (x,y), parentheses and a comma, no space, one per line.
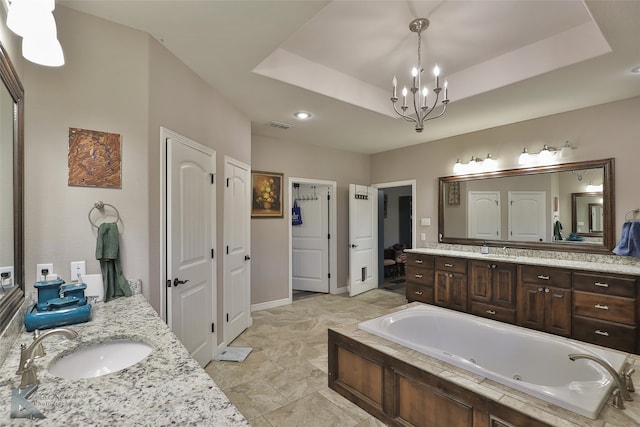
(302,115)
(636,69)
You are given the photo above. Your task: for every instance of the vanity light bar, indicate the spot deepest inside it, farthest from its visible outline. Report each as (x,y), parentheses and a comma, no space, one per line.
(475,165)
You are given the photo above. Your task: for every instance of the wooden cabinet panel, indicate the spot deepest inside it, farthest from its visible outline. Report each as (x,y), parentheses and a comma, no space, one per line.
(603,307)
(424,406)
(557,311)
(450,290)
(419,293)
(360,374)
(480,281)
(419,260)
(493,312)
(608,334)
(623,286)
(531,307)
(504,285)
(419,276)
(453,265)
(545,276)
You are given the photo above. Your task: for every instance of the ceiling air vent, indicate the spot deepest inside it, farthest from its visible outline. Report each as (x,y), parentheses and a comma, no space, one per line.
(280,125)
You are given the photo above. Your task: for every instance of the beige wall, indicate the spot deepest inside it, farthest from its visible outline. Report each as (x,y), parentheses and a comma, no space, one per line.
(603,131)
(270,237)
(181,101)
(103,86)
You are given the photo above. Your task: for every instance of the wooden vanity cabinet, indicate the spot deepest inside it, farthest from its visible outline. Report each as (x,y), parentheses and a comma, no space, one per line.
(605,310)
(492,290)
(450,283)
(544,299)
(419,274)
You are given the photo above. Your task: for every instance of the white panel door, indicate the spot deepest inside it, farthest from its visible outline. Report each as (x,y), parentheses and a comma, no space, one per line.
(237,227)
(527,212)
(363,239)
(190,239)
(483,219)
(310,242)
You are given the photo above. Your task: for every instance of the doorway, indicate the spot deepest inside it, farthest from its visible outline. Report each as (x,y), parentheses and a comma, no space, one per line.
(397,225)
(312,244)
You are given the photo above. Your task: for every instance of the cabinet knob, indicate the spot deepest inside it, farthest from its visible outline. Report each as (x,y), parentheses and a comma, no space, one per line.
(546,290)
(540,289)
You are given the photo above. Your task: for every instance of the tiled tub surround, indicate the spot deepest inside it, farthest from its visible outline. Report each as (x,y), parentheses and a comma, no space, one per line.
(166,388)
(537,409)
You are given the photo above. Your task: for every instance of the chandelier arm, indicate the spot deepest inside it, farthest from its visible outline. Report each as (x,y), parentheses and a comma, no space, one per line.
(433,107)
(404,116)
(444,108)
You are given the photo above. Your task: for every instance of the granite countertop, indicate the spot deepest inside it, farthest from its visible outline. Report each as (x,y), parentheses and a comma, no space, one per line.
(532,406)
(168,387)
(532,260)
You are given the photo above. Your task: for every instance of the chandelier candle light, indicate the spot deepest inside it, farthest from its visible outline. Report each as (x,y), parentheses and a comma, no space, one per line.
(420,97)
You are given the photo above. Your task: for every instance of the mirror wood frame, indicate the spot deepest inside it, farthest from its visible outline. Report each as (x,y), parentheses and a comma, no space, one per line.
(11,302)
(608,204)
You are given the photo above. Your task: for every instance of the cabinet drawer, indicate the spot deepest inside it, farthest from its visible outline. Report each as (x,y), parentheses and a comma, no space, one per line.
(605,307)
(419,260)
(419,276)
(493,312)
(419,293)
(545,276)
(623,286)
(454,265)
(608,334)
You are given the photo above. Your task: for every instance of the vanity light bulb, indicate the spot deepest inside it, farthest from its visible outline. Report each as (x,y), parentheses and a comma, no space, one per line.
(525,158)
(458,167)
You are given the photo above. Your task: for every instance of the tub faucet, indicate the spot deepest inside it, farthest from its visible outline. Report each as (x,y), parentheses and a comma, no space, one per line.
(27,368)
(620,379)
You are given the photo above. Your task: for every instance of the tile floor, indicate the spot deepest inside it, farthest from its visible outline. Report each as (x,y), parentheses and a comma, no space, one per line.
(283,381)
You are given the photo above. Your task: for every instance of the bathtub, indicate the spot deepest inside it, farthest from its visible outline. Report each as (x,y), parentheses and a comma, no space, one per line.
(532,362)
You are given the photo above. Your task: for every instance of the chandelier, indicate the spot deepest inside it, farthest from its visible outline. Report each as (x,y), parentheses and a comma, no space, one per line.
(421,108)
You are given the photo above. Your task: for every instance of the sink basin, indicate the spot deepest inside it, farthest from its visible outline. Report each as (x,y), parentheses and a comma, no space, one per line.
(100,359)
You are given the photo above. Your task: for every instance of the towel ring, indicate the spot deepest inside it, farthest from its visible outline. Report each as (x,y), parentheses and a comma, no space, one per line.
(632,211)
(99,205)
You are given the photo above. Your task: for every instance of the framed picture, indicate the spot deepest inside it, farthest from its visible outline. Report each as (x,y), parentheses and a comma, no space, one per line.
(94,159)
(453,196)
(266,200)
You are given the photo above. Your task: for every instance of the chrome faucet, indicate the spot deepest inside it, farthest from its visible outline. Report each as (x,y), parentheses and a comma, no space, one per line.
(623,381)
(27,368)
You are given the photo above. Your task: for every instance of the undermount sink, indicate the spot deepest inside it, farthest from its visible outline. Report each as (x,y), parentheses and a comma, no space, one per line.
(100,359)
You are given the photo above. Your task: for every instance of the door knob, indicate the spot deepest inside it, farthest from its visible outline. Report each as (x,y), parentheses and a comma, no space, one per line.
(177,282)
(247,257)
(354,246)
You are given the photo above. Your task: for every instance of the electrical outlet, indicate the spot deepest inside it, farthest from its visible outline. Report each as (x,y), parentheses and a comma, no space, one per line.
(41,275)
(78,269)
(6,276)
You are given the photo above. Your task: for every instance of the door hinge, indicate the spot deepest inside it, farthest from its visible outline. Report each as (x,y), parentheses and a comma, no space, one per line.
(227,182)
(213,327)
(213,178)
(329,275)
(213,253)
(329,236)
(168,283)
(227,250)
(227,317)
(328,196)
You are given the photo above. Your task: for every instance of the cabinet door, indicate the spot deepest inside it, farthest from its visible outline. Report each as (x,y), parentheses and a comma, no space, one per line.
(480,282)
(504,285)
(531,307)
(557,311)
(451,290)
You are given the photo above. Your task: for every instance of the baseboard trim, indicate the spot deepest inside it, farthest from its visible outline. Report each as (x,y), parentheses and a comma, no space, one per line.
(270,304)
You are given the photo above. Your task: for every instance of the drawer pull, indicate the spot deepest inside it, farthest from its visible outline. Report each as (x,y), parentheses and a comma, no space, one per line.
(540,289)
(418,261)
(602,306)
(541,277)
(418,276)
(603,333)
(558,295)
(448,265)
(491,312)
(602,285)
(417,292)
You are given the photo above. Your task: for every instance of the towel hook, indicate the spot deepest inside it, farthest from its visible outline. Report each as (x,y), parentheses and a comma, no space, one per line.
(99,205)
(632,211)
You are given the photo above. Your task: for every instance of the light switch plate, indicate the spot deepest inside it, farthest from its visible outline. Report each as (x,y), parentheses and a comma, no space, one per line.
(423,236)
(425,221)
(78,268)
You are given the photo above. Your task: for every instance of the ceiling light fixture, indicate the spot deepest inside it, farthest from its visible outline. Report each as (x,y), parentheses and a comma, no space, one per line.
(33,20)
(420,96)
(302,115)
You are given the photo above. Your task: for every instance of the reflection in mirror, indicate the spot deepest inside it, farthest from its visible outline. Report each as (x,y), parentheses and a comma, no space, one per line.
(11,190)
(531,208)
(587,214)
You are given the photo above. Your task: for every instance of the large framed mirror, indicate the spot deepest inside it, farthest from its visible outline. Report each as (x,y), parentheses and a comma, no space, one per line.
(11,190)
(545,207)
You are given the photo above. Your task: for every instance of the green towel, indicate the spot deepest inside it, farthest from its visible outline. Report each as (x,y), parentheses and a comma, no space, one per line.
(115,284)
